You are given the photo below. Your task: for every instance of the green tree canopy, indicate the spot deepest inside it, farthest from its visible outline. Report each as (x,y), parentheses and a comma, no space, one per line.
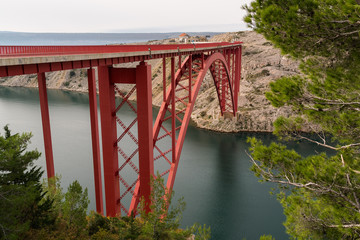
(22,203)
(322,196)
(325,36)
(328,28)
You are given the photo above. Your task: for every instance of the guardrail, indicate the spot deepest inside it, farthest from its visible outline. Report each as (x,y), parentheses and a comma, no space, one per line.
(18,51)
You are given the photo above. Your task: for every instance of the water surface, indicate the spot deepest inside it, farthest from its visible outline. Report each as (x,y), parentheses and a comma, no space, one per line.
(213,175)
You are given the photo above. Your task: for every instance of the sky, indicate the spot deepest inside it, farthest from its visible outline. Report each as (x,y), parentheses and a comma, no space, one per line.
(107,16)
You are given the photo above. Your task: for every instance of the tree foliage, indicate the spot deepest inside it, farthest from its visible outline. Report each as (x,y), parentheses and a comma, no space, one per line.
(328,28)
(163,216)
(161,223)
(69,210)
(324,35)
(22,202)
(31,210)
(75,205)
(320,193)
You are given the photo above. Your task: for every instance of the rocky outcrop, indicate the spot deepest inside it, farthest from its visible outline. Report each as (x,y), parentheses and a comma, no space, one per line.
(261,64)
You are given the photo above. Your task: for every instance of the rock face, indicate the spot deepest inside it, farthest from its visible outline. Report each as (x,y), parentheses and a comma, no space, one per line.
(261,64)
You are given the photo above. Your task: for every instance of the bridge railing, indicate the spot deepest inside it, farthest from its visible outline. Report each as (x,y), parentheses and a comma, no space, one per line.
(18,51)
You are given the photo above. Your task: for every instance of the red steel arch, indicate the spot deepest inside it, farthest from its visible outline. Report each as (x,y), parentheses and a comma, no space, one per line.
(182,114)
(156,147)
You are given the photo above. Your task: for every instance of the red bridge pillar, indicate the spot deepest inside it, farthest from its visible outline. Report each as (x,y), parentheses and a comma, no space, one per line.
(46,125)
(145,129)
(109,137)
(95,140)
(237,76)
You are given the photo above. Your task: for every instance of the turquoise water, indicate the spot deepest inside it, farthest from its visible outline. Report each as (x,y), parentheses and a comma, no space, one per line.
(213,175)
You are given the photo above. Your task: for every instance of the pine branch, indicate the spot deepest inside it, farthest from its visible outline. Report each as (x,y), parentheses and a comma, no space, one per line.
(311,99)
(311,186)
(326,145)
(354,225)
(349,182)
(3,230)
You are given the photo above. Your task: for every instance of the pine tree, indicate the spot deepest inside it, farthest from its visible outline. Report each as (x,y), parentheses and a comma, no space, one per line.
(320,193)
(75,207)
(21,198)
(163,218)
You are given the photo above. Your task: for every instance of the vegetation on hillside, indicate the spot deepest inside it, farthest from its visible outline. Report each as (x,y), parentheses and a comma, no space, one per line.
(320,193)
(30,209)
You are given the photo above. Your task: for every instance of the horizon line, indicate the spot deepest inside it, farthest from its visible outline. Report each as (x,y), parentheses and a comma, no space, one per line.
(118,32)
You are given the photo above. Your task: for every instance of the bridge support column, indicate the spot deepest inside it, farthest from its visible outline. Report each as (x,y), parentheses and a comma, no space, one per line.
(190,77)
(46,125)
(109,141)
(164,78)
(237,76)
(224,82)
(173,111)
(95,140)
(145,130)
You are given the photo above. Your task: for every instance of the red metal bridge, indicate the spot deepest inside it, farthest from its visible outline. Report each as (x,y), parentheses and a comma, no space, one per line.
(127,172)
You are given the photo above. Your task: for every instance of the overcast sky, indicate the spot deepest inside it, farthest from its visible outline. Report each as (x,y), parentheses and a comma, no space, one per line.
(122,15)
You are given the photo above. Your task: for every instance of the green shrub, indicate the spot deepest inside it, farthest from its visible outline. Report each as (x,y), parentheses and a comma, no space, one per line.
(72,73)
(97,222)
(67,84)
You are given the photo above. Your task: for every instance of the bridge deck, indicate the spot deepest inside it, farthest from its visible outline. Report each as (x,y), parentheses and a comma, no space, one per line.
(18,60)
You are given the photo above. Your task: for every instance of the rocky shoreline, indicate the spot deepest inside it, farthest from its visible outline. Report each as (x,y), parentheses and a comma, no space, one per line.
(261,64)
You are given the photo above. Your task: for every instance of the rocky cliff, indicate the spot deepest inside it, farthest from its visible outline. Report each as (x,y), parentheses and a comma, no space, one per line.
(261,64)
